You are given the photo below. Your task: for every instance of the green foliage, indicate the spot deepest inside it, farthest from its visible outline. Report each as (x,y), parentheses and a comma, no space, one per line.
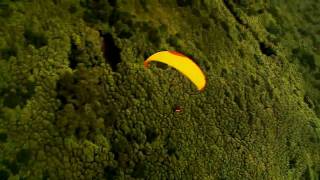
(5,10)
(18,96)
(3,137)
(306,59)
(183,3)
(6,53)
(173,41)
(38,40)
(4,76)
(24,156)
(4,174)
(76,101)
(96,11)
(154,37)
(12,166)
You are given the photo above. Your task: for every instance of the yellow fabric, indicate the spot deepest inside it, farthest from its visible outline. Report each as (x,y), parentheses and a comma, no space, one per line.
(183,64)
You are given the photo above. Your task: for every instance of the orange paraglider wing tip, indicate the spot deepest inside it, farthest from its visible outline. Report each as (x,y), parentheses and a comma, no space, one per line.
(146,64)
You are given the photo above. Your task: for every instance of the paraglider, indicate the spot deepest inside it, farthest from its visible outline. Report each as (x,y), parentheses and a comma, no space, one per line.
(178,109)
(181,63)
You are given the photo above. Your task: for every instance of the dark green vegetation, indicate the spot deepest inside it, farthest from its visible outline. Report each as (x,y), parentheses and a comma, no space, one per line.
(77,103)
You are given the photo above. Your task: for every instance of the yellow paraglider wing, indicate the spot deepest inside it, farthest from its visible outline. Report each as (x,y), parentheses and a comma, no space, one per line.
(183,64)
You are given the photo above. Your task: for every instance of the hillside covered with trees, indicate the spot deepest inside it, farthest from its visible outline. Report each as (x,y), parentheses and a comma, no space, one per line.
(76,101)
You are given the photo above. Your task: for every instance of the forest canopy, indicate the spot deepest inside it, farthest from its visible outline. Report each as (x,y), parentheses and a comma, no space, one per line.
(76,101)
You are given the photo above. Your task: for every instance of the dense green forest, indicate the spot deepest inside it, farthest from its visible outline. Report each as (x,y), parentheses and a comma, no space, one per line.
(76,101)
